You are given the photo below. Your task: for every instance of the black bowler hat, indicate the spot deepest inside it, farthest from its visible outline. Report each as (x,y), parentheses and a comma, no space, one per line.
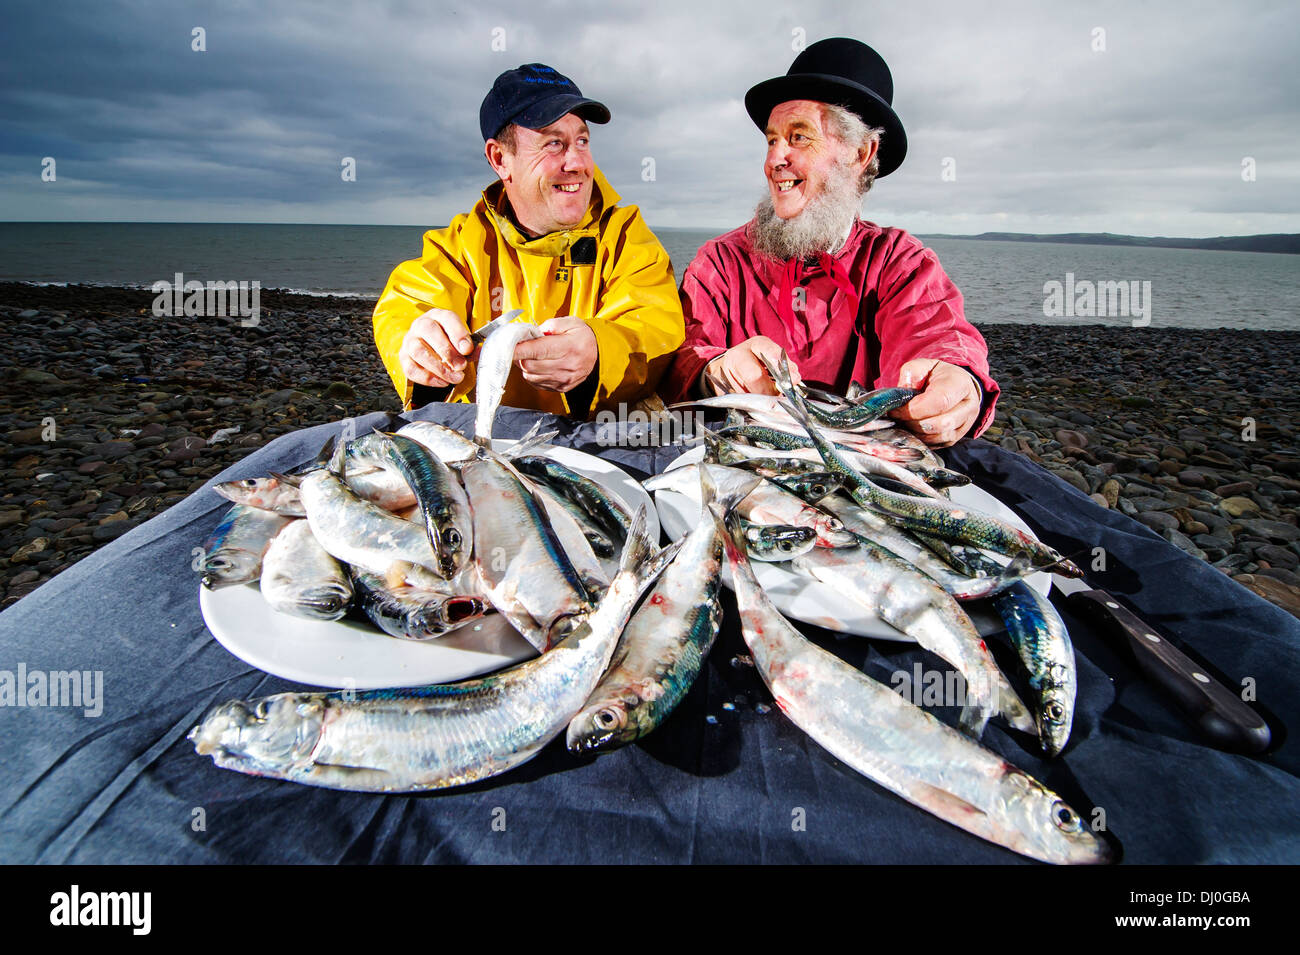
(846,73)
(534,96)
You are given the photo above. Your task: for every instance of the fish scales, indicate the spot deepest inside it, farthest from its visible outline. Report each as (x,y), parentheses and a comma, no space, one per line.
(411,740)
(876,732)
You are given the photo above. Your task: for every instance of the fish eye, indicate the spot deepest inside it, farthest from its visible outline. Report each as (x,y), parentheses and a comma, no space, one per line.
(785,546)
(453,537)
(819,488)
(1064,817)
(1054,711)
(249,482)
(607,719)
(261,710)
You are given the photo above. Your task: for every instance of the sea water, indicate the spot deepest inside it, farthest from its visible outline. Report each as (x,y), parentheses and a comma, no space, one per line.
(1004,282)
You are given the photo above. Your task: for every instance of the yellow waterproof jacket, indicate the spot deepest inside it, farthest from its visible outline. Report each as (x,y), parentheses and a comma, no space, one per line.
(481,266)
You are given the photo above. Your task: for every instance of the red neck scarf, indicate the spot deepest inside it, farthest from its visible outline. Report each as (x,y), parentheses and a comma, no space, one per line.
(802,327)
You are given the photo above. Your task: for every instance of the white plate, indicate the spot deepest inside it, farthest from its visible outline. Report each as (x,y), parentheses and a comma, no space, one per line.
(349,654)
(802,598)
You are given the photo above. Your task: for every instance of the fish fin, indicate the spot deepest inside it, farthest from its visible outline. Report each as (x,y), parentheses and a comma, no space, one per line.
(1021,566)
(293,480)
(712,445)
(972,720)
(660,562)
(395,576)
(1013,710)
(942,803)
(782,381)
(529,443)
(728,500)
(638,546)
(338,458)
(733,529)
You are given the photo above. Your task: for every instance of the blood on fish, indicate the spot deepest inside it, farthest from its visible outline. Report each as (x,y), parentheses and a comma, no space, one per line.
(656,598)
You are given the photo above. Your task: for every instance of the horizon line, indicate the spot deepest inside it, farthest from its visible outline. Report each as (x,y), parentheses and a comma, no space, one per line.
(691,228)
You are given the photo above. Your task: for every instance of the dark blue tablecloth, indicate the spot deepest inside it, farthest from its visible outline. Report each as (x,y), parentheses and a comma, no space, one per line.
(727,779)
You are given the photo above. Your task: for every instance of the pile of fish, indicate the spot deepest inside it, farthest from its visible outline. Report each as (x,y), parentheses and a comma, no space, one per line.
(423,529)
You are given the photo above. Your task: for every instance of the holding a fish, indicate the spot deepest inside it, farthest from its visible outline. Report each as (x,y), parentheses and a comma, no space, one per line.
(548,239)
(851,302)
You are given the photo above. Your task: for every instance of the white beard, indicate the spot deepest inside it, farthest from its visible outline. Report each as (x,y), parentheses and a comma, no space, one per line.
(820,227)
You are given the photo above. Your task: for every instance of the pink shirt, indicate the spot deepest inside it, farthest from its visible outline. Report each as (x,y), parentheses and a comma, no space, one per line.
(908,309)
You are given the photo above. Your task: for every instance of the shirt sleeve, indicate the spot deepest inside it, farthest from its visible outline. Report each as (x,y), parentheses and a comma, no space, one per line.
(639,321)
(438,279)
(703,291)
(921,315)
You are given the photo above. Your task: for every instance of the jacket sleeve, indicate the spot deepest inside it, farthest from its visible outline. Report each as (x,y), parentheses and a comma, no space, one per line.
(638,322)
(921,315)
(706,327)
(438,279)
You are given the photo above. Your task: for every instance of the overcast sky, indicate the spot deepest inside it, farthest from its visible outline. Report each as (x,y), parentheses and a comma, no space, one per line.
(1045,134)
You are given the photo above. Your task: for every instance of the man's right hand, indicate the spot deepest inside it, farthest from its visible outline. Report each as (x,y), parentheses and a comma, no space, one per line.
(433,350)
(739,369)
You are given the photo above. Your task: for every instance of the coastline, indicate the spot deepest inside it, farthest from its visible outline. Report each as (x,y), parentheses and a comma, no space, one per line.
(113,414)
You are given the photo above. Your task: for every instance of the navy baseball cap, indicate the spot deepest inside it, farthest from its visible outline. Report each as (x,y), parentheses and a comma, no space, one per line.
(534,96)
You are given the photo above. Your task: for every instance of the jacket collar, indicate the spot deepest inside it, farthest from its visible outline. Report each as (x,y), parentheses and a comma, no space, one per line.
(603,197)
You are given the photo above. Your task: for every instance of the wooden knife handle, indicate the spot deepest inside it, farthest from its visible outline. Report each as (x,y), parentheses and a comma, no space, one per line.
(1221,715)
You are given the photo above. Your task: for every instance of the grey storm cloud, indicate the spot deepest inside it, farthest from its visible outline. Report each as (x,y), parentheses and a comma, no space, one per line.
(1043,130)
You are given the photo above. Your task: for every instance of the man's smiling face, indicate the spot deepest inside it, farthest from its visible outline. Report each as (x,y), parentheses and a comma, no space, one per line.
(548,176)
(801,152)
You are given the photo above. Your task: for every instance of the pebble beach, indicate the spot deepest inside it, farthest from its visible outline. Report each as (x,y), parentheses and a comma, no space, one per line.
(110,414)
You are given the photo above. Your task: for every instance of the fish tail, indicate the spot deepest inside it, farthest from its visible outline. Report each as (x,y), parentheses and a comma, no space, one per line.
(712,446)
(337,458)
(638,547)
(708,489)
(733,531)
(530,442)
(727,500)
(780,372)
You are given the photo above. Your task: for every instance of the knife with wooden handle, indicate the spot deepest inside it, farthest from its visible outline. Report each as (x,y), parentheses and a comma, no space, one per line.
(1220,715)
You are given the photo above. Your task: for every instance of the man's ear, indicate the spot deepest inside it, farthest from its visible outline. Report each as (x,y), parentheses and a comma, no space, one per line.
(496,157)
(866,153)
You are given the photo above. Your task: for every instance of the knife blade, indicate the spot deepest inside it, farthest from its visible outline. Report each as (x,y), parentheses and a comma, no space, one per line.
(1218,713)
(480,335)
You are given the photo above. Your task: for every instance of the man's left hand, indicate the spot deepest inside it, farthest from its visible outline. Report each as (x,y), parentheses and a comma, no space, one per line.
(948,403)
(562,358)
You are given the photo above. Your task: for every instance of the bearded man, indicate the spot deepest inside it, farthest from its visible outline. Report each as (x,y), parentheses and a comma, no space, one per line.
(847,300)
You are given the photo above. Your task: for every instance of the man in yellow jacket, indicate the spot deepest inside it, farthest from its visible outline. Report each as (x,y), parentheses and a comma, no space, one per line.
(549,238)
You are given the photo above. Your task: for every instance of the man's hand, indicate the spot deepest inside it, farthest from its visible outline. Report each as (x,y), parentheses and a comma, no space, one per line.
(739,369)
(947,405)
(561,359)
(433,350)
